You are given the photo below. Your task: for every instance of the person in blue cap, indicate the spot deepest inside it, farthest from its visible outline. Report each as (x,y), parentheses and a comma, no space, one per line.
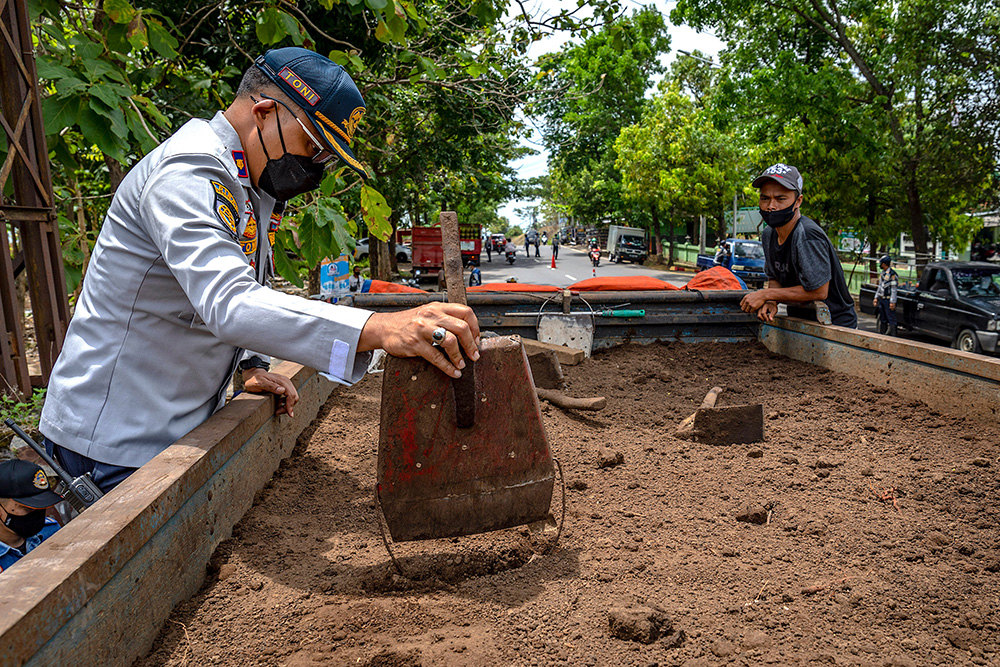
(800,261)
(24,496)
(885,296)
(177,295)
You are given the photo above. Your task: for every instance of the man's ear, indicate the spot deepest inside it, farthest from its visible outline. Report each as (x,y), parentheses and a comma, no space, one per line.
(261,110)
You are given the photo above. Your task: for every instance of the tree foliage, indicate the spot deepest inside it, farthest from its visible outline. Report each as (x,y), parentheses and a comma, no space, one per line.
(441,78)
(889,108)
(586,94)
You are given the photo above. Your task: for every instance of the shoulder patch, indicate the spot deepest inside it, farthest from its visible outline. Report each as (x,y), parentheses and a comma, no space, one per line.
(251,229)
(249,246)
(225,207)
(241,164)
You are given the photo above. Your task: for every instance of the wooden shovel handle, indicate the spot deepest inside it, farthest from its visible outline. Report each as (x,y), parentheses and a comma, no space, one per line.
(711,397)
(568,403)
(465,386)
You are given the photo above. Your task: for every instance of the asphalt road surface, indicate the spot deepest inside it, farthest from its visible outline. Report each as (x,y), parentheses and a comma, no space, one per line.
(572,266)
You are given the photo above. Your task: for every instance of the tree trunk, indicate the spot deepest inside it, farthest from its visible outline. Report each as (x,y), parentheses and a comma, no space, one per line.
(670,238)
(378,258)
(115,173)
(917,229)
(393,264)
(657,234)
(312,282)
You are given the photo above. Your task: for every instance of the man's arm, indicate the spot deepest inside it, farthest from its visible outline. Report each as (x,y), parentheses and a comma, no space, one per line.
(775,293)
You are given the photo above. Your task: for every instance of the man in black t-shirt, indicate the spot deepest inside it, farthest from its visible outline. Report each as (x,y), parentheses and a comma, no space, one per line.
(799,259)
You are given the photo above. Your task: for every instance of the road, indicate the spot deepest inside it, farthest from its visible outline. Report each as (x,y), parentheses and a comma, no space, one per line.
(572,266)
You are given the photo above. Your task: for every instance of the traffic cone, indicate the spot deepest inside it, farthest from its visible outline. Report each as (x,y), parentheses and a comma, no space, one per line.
(553,261)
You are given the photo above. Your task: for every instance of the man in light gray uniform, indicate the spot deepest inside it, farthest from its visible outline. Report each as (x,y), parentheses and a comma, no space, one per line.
(176,296)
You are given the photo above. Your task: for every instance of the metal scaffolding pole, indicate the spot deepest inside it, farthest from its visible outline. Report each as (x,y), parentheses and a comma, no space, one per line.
(28,212)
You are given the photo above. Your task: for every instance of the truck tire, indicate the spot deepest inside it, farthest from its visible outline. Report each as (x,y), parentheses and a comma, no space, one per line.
(400,256)
(966,341)
(362,257)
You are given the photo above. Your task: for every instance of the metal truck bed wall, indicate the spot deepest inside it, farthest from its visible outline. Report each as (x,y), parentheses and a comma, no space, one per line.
(99,590)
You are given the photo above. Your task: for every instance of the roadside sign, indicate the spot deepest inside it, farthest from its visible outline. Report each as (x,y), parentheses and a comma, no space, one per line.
(748,221)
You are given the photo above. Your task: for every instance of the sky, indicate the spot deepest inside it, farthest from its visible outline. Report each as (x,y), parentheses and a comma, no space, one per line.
(682,38)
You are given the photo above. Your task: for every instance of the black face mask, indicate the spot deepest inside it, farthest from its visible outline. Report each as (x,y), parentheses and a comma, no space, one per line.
(289,175)
(26,525)
(778,218)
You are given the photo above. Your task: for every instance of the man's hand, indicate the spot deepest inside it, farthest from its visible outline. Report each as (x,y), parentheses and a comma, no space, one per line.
(753,301)
(875,302)
(408,334)
(768,311)
(892,306)
(259,381)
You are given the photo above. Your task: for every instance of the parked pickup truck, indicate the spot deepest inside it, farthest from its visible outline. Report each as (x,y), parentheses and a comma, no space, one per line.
(955,301)
(745,259)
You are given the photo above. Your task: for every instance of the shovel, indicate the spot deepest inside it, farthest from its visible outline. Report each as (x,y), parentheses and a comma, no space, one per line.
(730,425)
(466,456)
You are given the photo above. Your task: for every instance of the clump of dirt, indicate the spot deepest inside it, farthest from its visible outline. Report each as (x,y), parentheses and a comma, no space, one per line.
(861,531)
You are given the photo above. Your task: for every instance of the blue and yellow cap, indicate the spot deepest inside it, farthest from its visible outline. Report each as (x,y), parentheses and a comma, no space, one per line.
(325,91)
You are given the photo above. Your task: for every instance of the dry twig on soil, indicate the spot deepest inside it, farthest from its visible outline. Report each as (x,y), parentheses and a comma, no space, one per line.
(884,494)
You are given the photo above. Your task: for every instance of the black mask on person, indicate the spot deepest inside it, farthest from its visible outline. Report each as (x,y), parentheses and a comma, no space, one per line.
(778,218)
(26,525)
(290,174)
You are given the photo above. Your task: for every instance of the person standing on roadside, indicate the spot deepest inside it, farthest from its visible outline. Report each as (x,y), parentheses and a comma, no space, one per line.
(800,261)
(555,245)
(885,296)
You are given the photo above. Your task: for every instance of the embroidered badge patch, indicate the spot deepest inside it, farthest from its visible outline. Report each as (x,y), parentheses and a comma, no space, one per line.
(273,226)
(40,481)
(300,86)
(249,246)
(241,164)
(225,206)
(251,229)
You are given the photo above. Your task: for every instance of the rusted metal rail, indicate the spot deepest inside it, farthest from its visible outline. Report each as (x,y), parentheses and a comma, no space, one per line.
(28,215)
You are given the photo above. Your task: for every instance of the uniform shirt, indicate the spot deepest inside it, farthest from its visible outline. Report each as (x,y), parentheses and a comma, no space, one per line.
(174,296)
(807,258)
(9,555)
(888,284)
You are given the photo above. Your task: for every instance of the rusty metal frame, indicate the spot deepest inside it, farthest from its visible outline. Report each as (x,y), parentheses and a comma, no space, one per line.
(28,212)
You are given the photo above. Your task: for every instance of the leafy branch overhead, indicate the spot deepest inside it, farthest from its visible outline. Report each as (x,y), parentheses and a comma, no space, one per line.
(442,80)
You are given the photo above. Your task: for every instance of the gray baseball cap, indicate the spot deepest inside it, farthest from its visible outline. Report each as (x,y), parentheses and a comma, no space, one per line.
(784,175)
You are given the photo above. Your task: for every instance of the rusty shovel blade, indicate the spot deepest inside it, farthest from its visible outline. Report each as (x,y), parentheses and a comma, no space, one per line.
(730,425)
(436,480)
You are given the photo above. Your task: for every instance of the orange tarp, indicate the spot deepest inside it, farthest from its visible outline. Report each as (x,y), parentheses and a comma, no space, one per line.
(715,278)
(512,287)
(621,284)
(383,287)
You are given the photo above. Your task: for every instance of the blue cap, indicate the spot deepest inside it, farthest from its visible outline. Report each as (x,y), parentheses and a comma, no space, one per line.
(324,90)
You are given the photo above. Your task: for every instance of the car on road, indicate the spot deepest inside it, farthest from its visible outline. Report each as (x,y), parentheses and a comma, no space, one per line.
(957,302)
(403,252)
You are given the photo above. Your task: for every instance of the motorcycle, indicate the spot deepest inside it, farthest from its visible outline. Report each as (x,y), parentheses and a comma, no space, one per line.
(510,257)
(595,256)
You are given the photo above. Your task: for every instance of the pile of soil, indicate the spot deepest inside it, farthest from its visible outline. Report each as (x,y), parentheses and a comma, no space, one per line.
(862,531)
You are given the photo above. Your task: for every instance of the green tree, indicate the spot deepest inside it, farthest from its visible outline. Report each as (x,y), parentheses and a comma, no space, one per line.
(586,94)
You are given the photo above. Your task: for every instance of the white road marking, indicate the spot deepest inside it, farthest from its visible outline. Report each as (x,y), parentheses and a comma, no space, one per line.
(569,276)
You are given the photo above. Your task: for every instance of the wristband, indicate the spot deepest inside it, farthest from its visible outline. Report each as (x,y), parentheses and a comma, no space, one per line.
(253,362)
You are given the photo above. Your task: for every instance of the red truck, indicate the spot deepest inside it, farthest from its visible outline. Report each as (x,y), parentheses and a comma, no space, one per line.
(428,255)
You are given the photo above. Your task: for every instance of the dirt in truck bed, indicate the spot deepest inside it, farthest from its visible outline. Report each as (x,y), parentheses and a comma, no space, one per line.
(862,531)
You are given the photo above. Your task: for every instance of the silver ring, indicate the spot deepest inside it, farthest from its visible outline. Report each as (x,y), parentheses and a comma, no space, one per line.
(438,336)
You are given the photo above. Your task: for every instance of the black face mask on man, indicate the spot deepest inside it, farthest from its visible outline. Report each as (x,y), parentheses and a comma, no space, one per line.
(290,174)
(25,525)
(778,218)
